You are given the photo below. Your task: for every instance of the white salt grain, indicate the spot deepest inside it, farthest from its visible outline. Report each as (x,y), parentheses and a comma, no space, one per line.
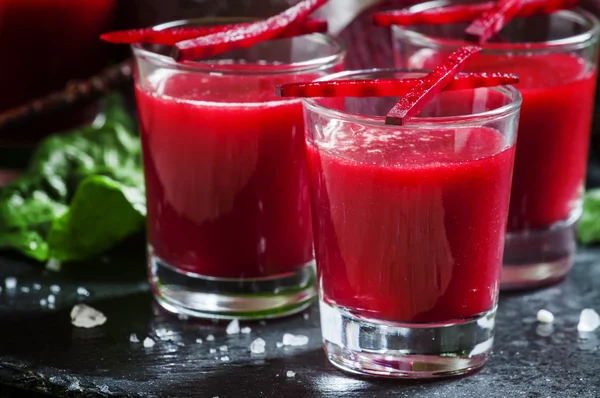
(43,302)
(25,289)
(294,341)
(289,373)
(10,282)
(210,337)
(199,341)
(257,346)
(84,316)
(133,338)
(279,344)
(246,330)
(82,291)
(53,265)
(55,289)
(37,286)
(545,316)
(51,299)
(305,316)
(223,348)
(588,320)
(213,350)
(225,359)
(233,327)
(162,332)
(148,342)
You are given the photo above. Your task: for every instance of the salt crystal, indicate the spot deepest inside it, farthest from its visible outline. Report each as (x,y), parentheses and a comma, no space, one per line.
(133,338)
(257,346)
(210,337)
(305,316)
(289,373)
(25,289)
(545,316)
(246,330)
(82,291)
(53,265)
(588,320)
(181,344)
(199,341)
(233,327)
(223,348)
(164,334)
(213,350)
(225,359)
(279,344)
(148,342)
(104,389)
(51,306)
(51,299)
(294,341)
(37,286)
(74,386)
(43,302)
(84,316)
(10,282)
(55,289)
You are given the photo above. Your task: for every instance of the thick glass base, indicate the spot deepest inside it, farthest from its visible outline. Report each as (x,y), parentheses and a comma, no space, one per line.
(217,298)
(538,258)
(403,350)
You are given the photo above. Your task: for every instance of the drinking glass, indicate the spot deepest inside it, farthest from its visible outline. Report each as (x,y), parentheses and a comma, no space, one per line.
(555,57)
(409,227)
(229,223)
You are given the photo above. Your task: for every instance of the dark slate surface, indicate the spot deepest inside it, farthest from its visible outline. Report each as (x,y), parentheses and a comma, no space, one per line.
(41,351)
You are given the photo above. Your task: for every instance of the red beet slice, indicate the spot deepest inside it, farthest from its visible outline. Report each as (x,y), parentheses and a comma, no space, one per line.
(389,87)
(171,36)
(244,36)
(415,100)
(466,13)
(492,22)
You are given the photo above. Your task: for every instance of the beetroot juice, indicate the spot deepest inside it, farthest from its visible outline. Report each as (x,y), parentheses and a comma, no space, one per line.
(409,225)
(555,57)
(229,220)
(405,222)
(45,44)
(48,42)
(226,175)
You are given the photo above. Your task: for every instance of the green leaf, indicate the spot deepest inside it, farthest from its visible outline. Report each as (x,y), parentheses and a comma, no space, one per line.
(589,225)
(50,204)
(102,213)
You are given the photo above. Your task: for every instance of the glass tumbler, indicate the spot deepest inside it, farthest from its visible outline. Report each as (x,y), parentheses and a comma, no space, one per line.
(229,222)
(409,227)
(556,58)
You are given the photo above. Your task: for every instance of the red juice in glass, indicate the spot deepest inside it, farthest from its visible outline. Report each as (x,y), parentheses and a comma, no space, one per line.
(406,221)
(555,58)
(45,44)
(409,226)
(229,222)
(224,175)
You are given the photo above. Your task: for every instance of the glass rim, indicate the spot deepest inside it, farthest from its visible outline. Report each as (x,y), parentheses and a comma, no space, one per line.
(168,62)
(569,44)
(416,122)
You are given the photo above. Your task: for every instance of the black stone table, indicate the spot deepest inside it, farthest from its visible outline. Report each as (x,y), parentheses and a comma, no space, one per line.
(40,351)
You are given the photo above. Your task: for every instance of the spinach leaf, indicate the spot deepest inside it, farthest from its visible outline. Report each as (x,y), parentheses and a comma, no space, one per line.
(82,193)
(588,229)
